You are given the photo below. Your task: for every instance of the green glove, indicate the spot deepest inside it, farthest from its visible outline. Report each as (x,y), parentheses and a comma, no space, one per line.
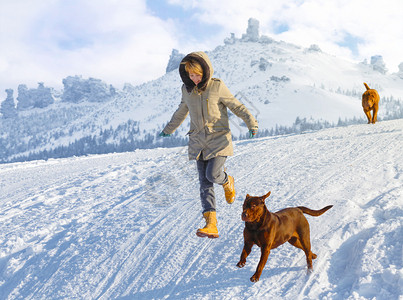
(252,133)
(163,134)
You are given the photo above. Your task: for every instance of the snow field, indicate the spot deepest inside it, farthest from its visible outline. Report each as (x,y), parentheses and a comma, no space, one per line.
(122,226)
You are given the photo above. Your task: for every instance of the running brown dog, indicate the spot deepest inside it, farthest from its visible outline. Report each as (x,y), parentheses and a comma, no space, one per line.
(270,230)
(370,101)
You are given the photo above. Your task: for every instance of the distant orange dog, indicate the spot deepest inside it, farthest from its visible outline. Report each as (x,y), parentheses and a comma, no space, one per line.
(370,101)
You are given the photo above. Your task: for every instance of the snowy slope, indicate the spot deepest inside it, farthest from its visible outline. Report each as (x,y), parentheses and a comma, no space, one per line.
(319,85)
(277,81)
(122,226)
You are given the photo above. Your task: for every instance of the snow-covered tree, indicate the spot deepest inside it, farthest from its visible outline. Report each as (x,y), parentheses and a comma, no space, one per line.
(263,63)
(252,32)
(7,108)
(43,96)
(29,98)
(400,73)
(314,48)
(378,64)
(77,89)
(231,40)
(174,60)
(24,99)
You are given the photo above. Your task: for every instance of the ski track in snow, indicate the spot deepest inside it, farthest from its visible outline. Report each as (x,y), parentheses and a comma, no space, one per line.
(122,226)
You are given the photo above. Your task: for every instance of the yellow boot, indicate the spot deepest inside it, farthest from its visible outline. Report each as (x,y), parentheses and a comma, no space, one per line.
(210,230)
(229,190)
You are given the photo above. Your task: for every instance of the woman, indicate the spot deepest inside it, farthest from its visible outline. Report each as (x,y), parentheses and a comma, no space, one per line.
(206,99)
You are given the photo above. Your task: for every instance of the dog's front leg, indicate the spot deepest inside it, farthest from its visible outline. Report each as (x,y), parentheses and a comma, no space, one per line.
(375,114)
(368,114)
(247,248)
(265,251)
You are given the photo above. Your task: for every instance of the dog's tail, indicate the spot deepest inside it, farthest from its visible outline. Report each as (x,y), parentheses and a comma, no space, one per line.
(366,86)
(314,213)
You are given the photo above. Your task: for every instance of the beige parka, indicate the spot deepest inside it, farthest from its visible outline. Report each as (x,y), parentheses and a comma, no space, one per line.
(207,103)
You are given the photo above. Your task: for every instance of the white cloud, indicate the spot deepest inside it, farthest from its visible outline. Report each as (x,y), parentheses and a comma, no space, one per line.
(374,27)
(122,41)
(47,40)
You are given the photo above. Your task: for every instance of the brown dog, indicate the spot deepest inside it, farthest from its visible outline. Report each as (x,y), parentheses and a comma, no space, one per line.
(370,101)
(270,230)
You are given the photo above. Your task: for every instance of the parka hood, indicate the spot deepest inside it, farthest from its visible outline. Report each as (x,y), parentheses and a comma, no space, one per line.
(206,65)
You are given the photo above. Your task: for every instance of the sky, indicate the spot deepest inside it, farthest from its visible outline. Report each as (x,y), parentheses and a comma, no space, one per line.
(130,41)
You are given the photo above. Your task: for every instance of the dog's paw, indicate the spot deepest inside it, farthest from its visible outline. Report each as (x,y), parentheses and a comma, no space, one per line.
(241,264)
(254,278)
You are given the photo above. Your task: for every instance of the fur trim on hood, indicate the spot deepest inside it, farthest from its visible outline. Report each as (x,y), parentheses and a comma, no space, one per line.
(204,62)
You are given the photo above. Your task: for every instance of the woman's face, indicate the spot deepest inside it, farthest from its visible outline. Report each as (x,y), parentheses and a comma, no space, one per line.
(195,78)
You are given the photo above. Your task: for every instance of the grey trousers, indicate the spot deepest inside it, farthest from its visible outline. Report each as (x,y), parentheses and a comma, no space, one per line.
(210,171)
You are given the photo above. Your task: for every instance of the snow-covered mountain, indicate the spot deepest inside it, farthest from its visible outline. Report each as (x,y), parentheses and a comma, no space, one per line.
(122,226)
(277,81)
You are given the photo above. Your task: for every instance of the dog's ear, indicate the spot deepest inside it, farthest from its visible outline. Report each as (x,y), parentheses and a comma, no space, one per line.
(247,196)
(265,196)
